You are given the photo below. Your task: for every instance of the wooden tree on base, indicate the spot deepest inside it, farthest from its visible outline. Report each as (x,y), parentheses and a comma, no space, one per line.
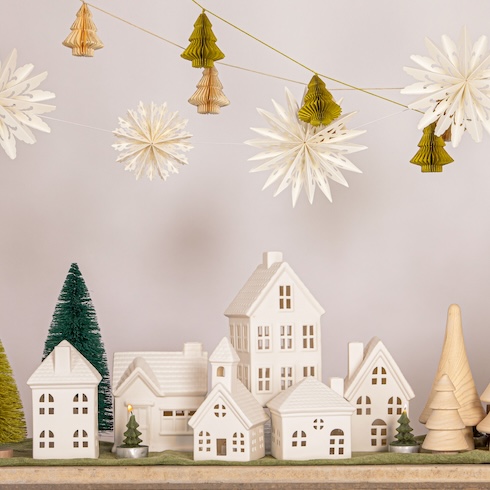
(446,428)
(209,96)
(454,363)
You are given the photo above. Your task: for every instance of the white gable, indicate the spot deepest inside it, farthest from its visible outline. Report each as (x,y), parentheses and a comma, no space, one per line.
(224,352)
(376,350)
(64,366)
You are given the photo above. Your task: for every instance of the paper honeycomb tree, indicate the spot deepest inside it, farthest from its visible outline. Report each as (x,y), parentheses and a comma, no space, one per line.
(319,108)
(202,50)
(432,155)
(446,428)
(209,97)
(83,39)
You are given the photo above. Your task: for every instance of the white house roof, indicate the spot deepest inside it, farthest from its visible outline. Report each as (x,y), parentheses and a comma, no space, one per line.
(240,401)
(78,370)
(374,351)
(258,285)
(170,373)
(309,395)
(224,352)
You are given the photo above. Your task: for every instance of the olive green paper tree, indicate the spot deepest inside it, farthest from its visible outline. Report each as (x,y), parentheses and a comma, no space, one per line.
(12,420)
(74,320)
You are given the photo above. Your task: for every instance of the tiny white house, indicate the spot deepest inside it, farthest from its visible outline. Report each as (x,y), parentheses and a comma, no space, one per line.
(311,421)
(64,406)
(377,389)
(229,425)
(164,389)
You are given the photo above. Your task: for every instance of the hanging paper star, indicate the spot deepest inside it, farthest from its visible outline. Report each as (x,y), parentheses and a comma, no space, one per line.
(302,154)
(151,140)
(20,104)
(455,82)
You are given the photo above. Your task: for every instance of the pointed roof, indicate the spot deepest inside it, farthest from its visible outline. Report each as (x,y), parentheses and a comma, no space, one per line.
(374,351)
(79,370)
(310,396)
(259,284)
(168,373)
(454,363)
(224,353)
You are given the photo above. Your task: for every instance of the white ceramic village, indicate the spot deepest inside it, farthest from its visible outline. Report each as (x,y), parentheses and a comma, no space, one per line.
(266,392)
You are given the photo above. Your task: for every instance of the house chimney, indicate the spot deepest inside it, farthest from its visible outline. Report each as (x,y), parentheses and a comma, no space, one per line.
(62,360)
(356,355)
(337,385)
(270,258)
(192,349)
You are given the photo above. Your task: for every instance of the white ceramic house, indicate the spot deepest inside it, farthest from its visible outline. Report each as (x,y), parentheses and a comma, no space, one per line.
(165,389)
(64,406)
(377,389)
(311,421)
(229,425)
(275,329)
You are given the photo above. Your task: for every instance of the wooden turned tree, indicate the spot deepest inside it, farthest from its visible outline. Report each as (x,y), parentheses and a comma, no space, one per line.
(454,363)
(446,428)
(484,425)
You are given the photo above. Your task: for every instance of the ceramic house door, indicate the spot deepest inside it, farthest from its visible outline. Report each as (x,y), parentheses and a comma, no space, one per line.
(143,417)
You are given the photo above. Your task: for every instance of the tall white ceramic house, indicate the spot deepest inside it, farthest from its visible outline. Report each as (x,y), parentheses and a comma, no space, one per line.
(275,329)
(311,421)
(377,389)
(229,425)
(165,389)
(64,406)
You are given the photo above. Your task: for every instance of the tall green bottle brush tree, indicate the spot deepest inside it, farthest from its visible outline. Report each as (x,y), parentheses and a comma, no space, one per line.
(75,320)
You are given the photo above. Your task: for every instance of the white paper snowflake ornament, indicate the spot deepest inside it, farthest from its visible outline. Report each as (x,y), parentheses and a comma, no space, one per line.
(455,83)
(20,104)
(303,155)
(151,141)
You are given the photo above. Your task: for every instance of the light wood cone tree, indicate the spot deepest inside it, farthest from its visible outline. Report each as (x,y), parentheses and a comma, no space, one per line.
(454,363)
(83,39)
(209,96)
(446,427)
(484,425)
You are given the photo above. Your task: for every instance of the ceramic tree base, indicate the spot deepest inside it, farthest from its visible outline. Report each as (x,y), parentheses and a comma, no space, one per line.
(132,452)
(404,449)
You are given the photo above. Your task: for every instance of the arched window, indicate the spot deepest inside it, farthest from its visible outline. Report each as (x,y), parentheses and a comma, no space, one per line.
(378,376)
(219,410)
(337,442)
(363,404)
(80,404)
(379,433)
(221,372)
(80,436)
(238,443)
(42,439)
(46,404)
(395,406)
(299,439)
(204,442)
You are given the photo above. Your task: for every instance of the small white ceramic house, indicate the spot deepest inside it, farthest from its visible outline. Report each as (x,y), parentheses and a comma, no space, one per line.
(311,421)
(64,406)
(165,389)
(377,389)
(229,425)
(275,329)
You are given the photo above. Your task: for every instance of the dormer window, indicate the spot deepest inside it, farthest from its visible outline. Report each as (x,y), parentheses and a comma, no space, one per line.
(285,297)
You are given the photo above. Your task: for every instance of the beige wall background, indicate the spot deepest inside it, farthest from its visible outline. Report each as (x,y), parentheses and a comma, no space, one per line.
(163,260)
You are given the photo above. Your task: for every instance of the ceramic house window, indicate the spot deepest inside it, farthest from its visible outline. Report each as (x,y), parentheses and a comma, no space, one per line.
(261,438)
(238,443)
(264,379)
(318,424)
(308,371)
(80,404)
(246,378)
(395,406)
(204,442)
(232,335)
(378,433)
(337,442)
(299,439)
(46,402)
(308,337)
(80,438)
(286,332)
(239,372)
(239,337)
(378,376)
(286,377)
(245,338)
(219,410)
(285,297)
(42,439)
(220,372)
(263,337)
(176,421)
(363,404)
